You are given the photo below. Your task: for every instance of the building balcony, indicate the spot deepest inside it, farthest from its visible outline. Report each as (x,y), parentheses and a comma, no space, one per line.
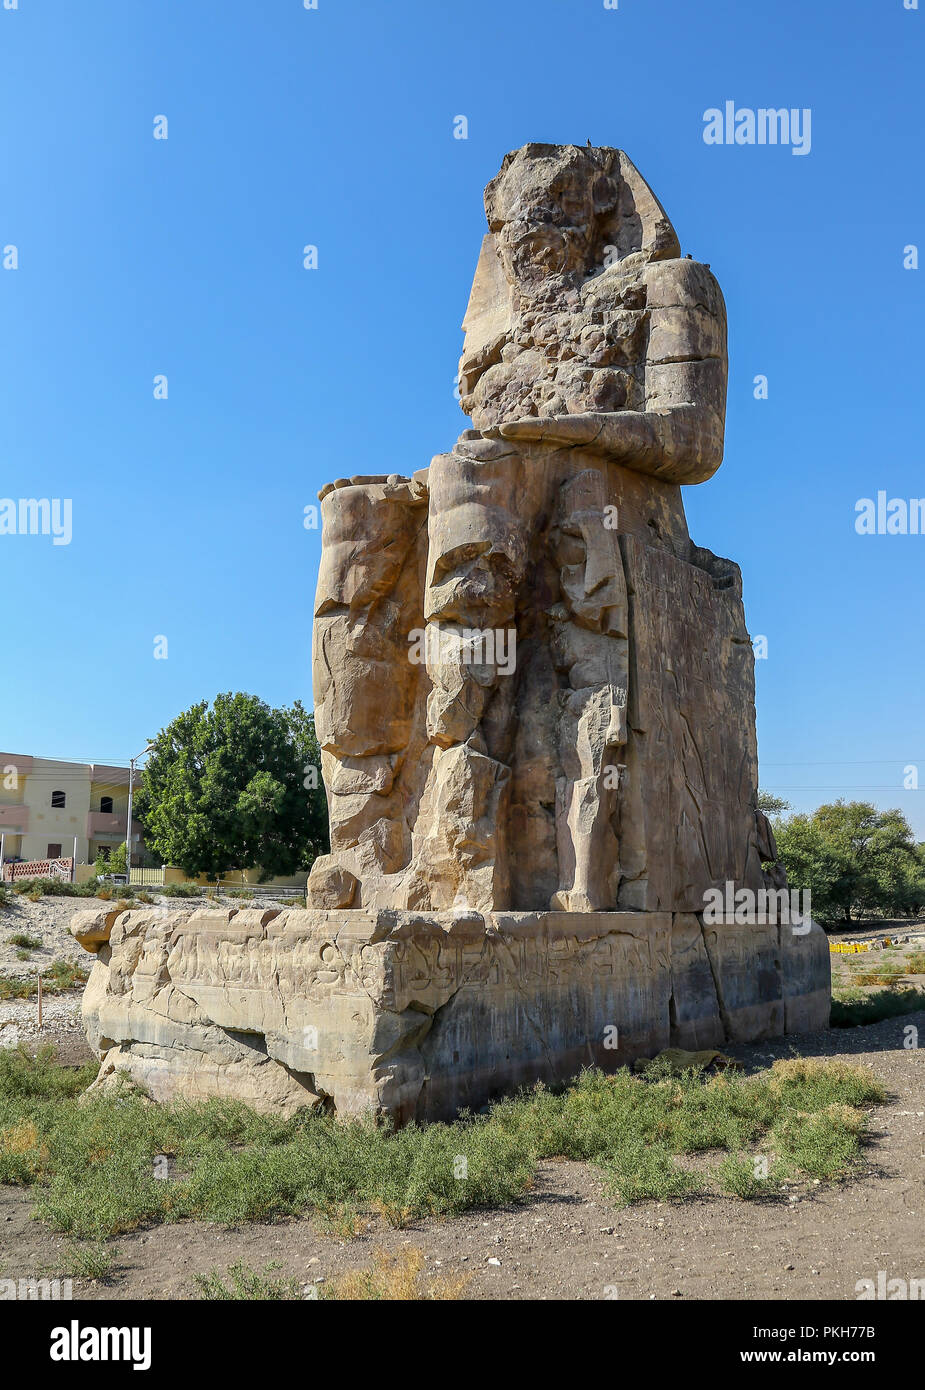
(102,824)
(15,819)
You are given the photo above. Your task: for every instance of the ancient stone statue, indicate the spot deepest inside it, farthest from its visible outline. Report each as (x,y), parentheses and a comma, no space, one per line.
(534,696)
(568,777)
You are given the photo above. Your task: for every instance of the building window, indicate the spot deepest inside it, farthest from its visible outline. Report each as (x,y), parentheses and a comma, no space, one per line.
(106,805)
(54,852)
(58,801)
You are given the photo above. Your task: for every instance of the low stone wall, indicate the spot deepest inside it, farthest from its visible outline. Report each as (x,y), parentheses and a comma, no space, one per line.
(416,1015)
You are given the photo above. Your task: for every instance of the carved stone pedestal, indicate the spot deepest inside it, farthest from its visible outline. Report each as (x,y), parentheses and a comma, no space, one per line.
(415,1015)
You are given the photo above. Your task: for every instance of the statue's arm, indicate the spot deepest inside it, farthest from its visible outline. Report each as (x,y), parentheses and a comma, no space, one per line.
(679,436)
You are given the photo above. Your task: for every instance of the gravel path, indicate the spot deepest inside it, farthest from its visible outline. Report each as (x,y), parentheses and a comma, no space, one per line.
(46,921)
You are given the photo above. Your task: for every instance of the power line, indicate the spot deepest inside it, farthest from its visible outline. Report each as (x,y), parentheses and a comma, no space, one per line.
(80,762)
(843,762)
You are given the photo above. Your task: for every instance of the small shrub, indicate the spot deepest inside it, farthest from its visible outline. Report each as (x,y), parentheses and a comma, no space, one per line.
(181,890)
(16,989)
(87,1260)
(24,1078)
(825,1145)
(38,888)
(21,938)
(59,976)
(122,892)
(639,1171)
(739,1175)
(886,973)
(246,1283)
(63,974)
(806,1085)
(394,1278)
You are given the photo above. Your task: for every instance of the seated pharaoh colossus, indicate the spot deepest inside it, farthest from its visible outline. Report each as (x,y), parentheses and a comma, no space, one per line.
(533,691)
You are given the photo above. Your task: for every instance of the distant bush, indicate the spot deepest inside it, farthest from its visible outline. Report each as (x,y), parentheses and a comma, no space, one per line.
(36,888)
(108,891)
(852,1008)
(885,972)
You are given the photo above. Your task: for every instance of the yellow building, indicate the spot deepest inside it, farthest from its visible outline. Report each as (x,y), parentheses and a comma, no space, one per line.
(45,803)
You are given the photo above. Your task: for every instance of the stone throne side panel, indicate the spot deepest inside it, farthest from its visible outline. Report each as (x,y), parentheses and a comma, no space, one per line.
(693,754)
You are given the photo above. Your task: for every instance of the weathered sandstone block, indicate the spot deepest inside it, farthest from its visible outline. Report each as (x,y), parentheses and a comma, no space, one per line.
(416,1015)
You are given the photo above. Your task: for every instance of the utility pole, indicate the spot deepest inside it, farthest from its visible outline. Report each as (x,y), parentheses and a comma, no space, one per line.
(128,823)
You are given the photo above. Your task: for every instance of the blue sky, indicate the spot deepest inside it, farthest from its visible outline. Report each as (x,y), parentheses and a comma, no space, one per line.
(334,127)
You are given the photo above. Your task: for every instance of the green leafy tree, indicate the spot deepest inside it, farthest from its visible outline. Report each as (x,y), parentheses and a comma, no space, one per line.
(916,886)
(854,859)
(113,863)
(770,804)
(811,864)
(235,786)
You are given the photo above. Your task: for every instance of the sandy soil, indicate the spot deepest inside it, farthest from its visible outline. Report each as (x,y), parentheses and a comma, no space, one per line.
(45,921)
